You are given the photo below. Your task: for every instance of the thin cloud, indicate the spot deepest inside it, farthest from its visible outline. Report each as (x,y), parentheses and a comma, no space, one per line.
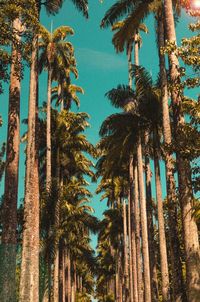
(99,59)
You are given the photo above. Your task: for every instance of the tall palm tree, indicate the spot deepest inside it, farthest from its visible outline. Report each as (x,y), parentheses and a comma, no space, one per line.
(29,289)
(9,223)
(191,242)
(149,93)
(53,49)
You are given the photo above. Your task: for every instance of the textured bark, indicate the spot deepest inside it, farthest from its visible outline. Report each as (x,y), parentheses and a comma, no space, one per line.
(137,233)
(191,243)
(9,217)
(177,280)
(48,134)
(136,195)
(143,213)
(161,224)
(152,246)
(68,277)
(131,233)
(57,222)
(56,277)
(126,287)
(130,250)
(129,57)
(64,276)
(132,238)
(136,50)
(29,282)
(75,281)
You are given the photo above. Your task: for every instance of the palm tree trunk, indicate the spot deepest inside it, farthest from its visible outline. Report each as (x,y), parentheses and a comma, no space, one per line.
(143,213)
(161,225)
(75,281)
(152,246)
(64,276)
(138,217)
(120,279)
(56,277)
(29,282)
(136,50)
(130,250)
(9,217)
(125,250)
(117,285)
(68,277)
(137,232)
(132,238)
(177,280)
(48,142)
(131,235)
(191,243)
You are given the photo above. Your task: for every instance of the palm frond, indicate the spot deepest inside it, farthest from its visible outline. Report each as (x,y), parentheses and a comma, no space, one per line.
(131,24)
(117,11)
(61,33)
(121,95)
(82,6)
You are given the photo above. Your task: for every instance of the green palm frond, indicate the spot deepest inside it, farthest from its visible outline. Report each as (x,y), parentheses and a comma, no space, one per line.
(61,33)
(121,95)
(131,24)
(117,10)
(44,34)
(143,80)
(52,6)
(82,6)
(144,28)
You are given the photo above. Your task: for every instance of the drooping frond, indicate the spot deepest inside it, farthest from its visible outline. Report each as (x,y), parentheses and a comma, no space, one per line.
(52,6)
(143,80)
(117,10)
(61,33)
(131,24)
(82,6)
(115,121)
(121,95)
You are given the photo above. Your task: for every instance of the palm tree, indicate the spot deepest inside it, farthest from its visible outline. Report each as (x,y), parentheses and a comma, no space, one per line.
(29,290)
(137,11)
(149,94)
(54,49)
(191,242)
(9,223)
(68,145)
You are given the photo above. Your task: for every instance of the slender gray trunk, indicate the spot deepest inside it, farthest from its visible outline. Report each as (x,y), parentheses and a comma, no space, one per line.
(161,225)
(132,238)
(48,134)
(152,245)
(138,241)
(143,213)
(125,250)
(29,281)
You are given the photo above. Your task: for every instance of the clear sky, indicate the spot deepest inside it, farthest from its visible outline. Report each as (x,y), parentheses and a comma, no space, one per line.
(100,69)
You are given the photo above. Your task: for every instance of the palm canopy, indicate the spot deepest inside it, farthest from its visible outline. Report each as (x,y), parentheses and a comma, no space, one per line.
(67,95)
(134,11)
(126,33)
(55,51)
(123,8)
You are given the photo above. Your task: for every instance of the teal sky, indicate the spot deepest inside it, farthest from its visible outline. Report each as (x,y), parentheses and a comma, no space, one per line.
(100,69)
